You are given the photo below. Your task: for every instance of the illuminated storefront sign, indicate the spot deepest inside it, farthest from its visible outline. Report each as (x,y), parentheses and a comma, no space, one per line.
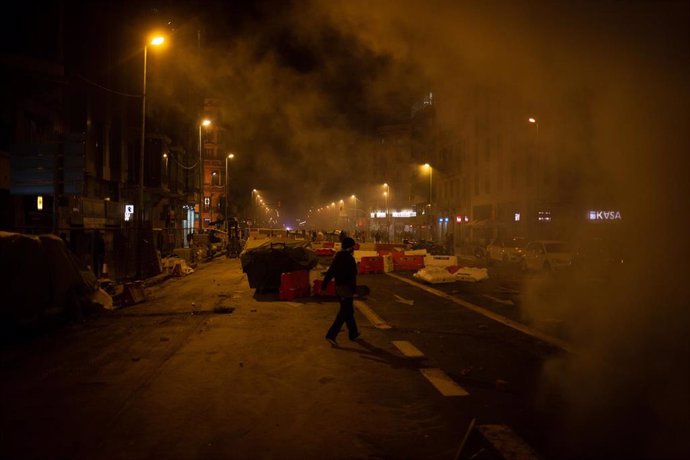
(604,215)
(395,214)
(129,210)
(516,218)
(39,202)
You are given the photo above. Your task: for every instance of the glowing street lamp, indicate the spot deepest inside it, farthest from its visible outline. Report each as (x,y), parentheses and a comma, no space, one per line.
(227,190)
(428,167)
(204,123)
(155,41)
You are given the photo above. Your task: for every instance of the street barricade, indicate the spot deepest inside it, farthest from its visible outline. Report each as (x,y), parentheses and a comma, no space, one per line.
(405,262)
(330,289)
(371,265)
(440,261)
(359,254)
(294,285)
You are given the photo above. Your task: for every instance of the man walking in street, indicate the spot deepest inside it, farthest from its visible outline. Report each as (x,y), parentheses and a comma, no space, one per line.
(344,270)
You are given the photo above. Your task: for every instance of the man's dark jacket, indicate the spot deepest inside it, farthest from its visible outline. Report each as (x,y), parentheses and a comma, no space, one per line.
(344,270)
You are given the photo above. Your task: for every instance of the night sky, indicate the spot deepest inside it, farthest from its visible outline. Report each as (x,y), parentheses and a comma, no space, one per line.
(305,83)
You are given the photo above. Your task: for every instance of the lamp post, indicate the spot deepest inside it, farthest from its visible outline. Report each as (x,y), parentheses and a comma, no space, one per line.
(539,172)
(204,122)
(252,209)
(155,41)
(227,189)
(354,221)
(428,167)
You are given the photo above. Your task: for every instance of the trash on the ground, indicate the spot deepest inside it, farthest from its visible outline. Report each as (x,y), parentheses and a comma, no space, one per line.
(102,298)
(435,275)
(175,266)
(471,274)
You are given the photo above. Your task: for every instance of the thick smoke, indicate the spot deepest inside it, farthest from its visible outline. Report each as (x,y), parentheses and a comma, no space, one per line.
(609,82)
(304,83)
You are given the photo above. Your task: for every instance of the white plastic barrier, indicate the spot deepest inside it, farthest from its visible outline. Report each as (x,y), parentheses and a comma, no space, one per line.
(359,254)
(440,261)
(472,274)
(415,252)
(387,264)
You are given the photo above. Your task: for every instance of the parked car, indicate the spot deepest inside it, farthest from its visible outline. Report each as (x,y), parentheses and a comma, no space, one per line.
(506,250)
(547,255)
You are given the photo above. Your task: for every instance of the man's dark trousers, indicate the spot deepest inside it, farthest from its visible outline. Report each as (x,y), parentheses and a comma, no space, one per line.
(346,315)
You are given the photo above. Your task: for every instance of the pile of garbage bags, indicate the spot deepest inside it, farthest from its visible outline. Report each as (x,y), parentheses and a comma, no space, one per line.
(40,277)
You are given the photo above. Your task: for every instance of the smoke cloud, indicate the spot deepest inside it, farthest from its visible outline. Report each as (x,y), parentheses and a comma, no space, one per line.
(304,83)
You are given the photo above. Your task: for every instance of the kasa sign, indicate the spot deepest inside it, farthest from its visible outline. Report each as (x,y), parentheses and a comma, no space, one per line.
(604,215)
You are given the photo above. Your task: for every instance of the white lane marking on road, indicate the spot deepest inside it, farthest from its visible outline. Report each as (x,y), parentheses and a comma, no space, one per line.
(443,383)
(497,300)
(407,349)
(403,300)
(371,315)
(562,344)
(509,444)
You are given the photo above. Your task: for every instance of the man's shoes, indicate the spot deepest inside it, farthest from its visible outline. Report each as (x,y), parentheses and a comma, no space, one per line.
(353,338)
(332,341)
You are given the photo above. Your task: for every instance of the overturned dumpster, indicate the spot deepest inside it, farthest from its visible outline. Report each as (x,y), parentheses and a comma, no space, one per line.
(265,263)
(40,277)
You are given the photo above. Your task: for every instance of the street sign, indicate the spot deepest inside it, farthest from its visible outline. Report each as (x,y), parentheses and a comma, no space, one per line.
(129,211)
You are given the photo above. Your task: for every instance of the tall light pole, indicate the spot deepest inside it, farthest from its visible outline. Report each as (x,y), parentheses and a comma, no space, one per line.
(227,189)
(539,172)
(155,41)
(428,167)
(252,208)
(354,221)
(205,122)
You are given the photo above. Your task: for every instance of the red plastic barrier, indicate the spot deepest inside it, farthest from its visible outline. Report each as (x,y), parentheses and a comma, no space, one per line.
(408,262)
(294,285)
(327,244)
(371,265)
(330,289)
(324,252)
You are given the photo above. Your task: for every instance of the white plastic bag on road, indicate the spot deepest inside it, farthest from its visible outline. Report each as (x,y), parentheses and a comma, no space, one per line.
(435,275)
(472,274)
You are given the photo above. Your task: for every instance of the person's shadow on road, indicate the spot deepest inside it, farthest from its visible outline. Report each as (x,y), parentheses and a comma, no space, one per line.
(374,353)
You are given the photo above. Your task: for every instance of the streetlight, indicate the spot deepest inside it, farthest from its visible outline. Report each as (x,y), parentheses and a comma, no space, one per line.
(252,209)
(354,199)
(155,41)
(431,173)
(227,190)
(205,122)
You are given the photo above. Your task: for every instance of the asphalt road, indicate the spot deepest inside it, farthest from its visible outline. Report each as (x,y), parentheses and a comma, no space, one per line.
(207,369)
